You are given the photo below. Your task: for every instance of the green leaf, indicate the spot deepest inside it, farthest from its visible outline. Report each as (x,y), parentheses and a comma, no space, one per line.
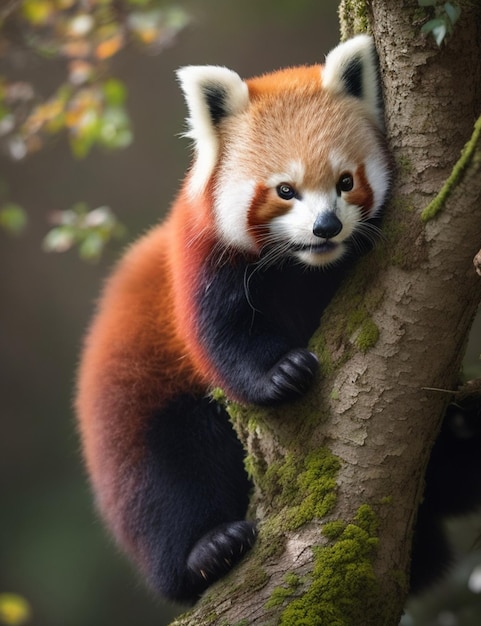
(439,33)
(437,28)
(427,3)
(92,246)
(177,18)
(59,239)
(453,11)
(114,131)
(101,217)
(115,92)
(37,12)
(87,230)
(13,218)
(431,25)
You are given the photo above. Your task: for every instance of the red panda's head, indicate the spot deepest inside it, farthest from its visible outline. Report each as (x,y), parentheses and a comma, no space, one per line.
(296,159)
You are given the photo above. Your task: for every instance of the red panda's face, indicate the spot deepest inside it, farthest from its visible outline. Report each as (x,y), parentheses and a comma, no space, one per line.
(296,160)
(299,175)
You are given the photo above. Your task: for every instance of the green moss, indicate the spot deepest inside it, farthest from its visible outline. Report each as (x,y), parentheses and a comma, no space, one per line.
(326,363)
(399,204)
(368,335)
(292,580)
(303,488)
(310,493)
(251,465)
(400,228)
(353,17)
(405,165)
(332,530)
(255,577)
(275,480)
(359,322)
(401,579)
(252,423)
(334,395)
(281,594)
(237,412)
(394,233)
(218,395)
(344,588)
(271,542)
(355,303)
(356,318)
(318,483)
(367,520)
(300,489)
(398,258)
(467,154)
(211,618)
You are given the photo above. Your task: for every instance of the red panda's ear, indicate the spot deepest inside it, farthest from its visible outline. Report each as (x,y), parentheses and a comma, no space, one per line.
(212,93)
(352,69)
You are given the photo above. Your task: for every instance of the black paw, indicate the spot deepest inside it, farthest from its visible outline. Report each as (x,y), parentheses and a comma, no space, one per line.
(291,377)
(218,551)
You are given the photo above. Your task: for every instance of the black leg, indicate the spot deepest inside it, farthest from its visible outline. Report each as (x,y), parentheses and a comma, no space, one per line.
(187,516)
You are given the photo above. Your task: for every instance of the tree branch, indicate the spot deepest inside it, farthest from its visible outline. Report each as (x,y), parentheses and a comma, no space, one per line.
(339,475)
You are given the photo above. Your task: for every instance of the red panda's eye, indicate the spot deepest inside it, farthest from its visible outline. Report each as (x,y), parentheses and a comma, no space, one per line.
(345,183)
(286,191)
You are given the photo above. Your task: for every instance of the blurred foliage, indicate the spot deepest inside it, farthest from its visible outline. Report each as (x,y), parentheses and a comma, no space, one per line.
(89,230)
(14,609)
(445,15)
(89,104)
(12,218)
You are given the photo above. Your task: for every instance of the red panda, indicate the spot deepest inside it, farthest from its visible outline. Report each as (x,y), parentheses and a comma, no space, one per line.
(289,175)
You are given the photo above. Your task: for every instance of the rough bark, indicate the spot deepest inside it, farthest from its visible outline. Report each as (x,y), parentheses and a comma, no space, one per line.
(339,475)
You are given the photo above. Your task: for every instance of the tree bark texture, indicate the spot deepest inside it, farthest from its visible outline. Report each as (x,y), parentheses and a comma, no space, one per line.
(338,476)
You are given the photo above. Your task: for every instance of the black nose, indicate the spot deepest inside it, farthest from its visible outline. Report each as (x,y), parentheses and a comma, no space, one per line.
(327,225)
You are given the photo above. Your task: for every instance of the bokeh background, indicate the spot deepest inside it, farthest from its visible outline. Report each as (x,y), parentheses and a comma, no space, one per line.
(53,550)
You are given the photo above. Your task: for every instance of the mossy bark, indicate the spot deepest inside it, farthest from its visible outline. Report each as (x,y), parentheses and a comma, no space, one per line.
(338,476)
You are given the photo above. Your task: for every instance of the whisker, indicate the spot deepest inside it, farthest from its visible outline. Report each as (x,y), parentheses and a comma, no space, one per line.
(366,233)
(372,231)
(196,237)
(273,252)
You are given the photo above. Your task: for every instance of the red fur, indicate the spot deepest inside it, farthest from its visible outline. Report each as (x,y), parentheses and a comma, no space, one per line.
(362,196)
(288,79)
(261,212)
(159,355)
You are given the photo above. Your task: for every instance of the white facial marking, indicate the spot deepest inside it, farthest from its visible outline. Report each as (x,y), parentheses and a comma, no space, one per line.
(231,207)
(378,176)
(294,174)
(339,164)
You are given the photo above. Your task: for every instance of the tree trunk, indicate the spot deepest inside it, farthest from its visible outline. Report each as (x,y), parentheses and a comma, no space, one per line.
(338,476)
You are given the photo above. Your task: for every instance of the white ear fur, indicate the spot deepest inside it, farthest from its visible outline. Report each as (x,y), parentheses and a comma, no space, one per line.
(211,93)
(352,69)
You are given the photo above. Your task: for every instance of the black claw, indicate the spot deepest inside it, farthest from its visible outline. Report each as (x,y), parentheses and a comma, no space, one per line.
(218,551)
(291,377)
